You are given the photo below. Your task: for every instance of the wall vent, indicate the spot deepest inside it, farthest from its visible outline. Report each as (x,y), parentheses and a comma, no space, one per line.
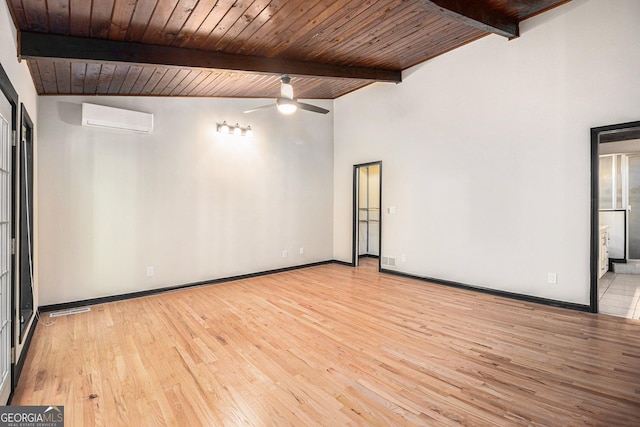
(71,311)
(389,261)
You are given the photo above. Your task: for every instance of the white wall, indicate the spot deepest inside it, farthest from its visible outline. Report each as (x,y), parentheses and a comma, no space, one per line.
(20,78)
(194,204)
(485,150)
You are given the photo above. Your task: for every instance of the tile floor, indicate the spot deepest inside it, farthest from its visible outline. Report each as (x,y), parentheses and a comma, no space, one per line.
(619,295)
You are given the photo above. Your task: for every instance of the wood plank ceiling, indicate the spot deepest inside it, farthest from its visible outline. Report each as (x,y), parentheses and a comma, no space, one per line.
(238,48)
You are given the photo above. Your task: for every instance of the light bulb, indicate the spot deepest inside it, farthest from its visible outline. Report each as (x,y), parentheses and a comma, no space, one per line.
(237,130)
(224,128)
(248,132)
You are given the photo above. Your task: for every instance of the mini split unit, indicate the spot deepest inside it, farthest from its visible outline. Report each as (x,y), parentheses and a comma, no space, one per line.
(116,118)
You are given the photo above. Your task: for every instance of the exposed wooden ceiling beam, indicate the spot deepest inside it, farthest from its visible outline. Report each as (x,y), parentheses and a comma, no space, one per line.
(39,45)
(474,14)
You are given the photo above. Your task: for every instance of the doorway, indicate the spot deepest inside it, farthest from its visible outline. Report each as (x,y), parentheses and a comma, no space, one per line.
(24,216)
(615,215)
(367,218)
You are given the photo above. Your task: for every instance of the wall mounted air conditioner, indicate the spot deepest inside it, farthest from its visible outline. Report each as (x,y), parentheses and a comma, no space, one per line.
(116,118)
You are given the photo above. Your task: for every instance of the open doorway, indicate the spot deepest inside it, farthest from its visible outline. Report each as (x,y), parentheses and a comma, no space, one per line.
(615,220)
(23,173)
(367,220)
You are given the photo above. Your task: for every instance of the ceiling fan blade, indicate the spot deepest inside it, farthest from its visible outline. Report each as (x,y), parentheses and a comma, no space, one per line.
(260,108)
(309,107)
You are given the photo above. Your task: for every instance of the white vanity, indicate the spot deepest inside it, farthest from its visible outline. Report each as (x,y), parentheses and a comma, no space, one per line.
(604,250)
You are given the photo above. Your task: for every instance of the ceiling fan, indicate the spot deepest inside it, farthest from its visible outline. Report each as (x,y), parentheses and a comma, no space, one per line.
(286,102)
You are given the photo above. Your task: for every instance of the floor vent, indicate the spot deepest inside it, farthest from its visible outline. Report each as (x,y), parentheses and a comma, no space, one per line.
(389,261)
(71,311)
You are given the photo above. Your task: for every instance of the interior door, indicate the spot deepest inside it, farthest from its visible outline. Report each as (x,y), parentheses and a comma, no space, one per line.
(5,250)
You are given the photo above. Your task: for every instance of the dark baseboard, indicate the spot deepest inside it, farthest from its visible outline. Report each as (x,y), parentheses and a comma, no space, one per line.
(122,297)
(505,294)
(616,261)
(17,370)
(369,256)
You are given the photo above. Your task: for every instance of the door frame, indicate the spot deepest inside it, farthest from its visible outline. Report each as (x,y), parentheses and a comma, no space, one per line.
(602,135)
(355,242)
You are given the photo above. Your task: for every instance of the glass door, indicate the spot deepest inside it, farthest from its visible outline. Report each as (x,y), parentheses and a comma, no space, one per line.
(5,258)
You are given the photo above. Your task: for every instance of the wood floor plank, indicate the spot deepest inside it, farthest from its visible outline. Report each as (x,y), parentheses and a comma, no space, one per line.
(333,345)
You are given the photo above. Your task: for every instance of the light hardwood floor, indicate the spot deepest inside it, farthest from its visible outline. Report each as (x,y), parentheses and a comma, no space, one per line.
(333,345)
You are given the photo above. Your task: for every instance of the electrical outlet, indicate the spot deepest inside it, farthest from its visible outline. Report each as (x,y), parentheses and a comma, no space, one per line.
(149,271)
(301,251)
(285,253)
(552,278)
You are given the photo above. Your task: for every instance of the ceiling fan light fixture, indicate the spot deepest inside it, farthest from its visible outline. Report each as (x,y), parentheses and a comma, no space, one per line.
(287,109)
(286,103)
(286,106)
